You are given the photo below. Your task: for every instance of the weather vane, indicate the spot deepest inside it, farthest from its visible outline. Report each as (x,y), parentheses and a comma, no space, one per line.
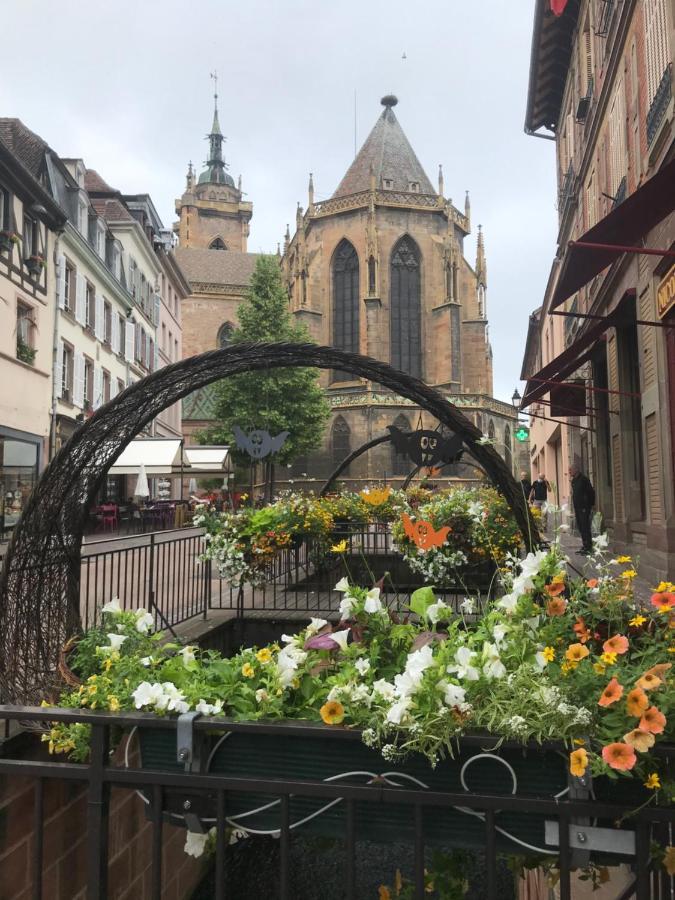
(214,75)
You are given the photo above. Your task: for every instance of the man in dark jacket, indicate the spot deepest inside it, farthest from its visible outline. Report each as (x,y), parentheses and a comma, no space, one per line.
(525,484)
(583,501)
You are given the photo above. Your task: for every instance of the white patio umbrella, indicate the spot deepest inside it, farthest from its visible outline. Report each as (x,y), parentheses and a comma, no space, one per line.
(141,489)
(192,487)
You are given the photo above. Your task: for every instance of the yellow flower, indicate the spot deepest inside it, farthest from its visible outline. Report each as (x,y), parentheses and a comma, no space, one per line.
(247,670)
(578,762)
(568,666)
(623,559)
(653,782)
(558,578)
(669,860)
(664,586)
(340,547)
(599,668)
(376,496)
(332,712)
(636,621)
(107,664)
(608,658)
(383,893)
(264,656)
(548,653)
(576,652)
(629,573)
(113,703)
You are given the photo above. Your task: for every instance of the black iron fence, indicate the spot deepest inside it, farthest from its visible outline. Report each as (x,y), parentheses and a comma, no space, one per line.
(182,787)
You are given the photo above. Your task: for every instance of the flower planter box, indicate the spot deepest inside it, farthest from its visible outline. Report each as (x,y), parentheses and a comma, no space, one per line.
(523,772)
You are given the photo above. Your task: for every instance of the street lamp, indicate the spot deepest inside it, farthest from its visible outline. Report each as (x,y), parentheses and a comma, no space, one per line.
(516,398)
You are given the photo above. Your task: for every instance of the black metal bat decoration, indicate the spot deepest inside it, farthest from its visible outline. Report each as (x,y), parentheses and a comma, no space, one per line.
(427,448)
(257,443)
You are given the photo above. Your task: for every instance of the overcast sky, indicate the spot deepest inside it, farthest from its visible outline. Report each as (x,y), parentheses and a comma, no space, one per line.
(126,86)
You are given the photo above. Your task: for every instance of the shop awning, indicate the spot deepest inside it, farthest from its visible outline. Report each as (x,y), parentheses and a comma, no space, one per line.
(619,232)
(159,456)
(553,374)
(208,460)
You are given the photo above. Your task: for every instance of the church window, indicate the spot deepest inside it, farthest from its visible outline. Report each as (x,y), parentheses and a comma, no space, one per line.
(508,453)
(225,335)
(405,323)
(400,462)
(491,430)
(371,276)
(340,441)
(345,303)
(415,187)
(217,244)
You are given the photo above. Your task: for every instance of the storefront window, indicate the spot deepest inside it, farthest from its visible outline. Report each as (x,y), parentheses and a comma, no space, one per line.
(18,474)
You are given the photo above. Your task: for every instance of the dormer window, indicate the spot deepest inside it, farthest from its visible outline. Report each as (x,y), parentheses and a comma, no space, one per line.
(83,217)
(387,184)
(414,187)
(100,239)
(217,244)
(117,261)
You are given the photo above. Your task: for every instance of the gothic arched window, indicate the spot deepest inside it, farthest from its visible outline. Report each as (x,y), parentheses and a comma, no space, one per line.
(405,323)
(217,244)
(225,335)
(508,453)
(345,303)
(371,276)
(491,430)
(340,441)
(400,462)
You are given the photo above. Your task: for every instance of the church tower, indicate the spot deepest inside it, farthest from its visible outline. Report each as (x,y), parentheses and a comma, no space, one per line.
(379,268)
(211,212)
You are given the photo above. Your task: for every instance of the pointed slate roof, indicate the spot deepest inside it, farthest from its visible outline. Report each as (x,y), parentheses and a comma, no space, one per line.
(388,151)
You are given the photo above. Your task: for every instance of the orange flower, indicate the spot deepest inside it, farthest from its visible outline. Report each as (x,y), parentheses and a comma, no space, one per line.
(619,756)
(576,652)
(636,702)
(648,682)
(332,712)
(592,583)
(611,693)
(617,644)
(580,630)
(652,720)
(554,589)
(659,670)
(423,533)
(556,607)
(641,740)
(578,762)
(663,601)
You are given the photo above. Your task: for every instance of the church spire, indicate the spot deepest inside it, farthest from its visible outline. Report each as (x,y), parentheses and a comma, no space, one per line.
(481,265)
(215,172)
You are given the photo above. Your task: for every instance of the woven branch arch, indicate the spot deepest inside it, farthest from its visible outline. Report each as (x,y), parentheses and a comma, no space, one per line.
(39,582)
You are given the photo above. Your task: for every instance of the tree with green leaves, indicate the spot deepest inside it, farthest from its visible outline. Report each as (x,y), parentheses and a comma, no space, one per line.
(286,399)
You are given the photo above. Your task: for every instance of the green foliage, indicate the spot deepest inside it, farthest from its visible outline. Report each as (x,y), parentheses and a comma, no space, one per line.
(288,399)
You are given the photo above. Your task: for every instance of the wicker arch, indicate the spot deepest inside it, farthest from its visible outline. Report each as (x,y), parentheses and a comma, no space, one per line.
(39,582)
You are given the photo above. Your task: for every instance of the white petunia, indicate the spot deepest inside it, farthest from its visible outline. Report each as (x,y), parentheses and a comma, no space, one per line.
(144,621)
(468,605)
(454,694)
(147,694)
(463,668)
(508,603)
(384,688)
(437,611)
(601,542)
(342,585)
(362,666)
(146,661)
(209,709)
(112,606)
(347,605)
(540,659)
(116,640)
(373,603)
(493,667)
(532,563)
(398,712)
(195,843)
(314,626)
(340,638)
(188,654)
(499,633)
(261,695)
(475,510)
(533,623)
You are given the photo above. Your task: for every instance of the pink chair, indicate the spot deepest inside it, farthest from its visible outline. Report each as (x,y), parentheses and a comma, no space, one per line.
(109,517)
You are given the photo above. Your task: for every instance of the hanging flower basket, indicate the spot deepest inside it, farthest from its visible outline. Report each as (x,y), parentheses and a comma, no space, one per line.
(35,264)
(8,239)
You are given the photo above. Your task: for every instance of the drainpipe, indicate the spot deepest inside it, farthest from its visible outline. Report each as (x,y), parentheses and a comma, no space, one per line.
(55,354)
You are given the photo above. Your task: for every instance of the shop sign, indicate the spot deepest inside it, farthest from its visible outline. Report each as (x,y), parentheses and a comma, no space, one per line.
(665,293)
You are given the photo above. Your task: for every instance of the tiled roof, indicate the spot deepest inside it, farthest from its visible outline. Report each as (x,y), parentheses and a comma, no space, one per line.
(111,209)
(388,151)
(201,404)
(24,144)
(95,184)
(216,266)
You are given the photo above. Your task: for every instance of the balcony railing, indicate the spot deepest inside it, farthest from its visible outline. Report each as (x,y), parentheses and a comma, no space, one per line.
(584,105)
(620,195)
(659,104)
(566,192)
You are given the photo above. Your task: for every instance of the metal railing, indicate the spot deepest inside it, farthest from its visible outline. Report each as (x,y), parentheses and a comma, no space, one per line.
(574,826)
(659,104)
(566,192)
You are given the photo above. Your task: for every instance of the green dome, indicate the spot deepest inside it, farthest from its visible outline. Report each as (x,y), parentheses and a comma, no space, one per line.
(216,175)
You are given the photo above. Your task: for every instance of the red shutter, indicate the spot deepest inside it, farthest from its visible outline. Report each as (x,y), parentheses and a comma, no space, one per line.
(558,7)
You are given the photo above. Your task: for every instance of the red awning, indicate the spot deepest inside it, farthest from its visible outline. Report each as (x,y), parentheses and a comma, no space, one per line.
(624,226)
(567,362)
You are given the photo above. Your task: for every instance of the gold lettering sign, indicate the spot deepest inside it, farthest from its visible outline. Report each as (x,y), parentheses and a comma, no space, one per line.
(665,294)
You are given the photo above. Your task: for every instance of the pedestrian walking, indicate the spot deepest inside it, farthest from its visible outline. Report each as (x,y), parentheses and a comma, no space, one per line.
(539,497)
(526,485)
(583,501)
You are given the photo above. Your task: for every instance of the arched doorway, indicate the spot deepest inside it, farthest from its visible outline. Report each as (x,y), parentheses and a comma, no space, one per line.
(39,582)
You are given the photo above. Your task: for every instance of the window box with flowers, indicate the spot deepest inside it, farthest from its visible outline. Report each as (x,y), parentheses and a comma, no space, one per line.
(24,351)
(35,264)
(561,681)
(8,239)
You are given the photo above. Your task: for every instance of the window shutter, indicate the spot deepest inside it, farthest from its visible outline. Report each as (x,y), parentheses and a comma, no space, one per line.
(78,379)
(129,341)
(99,317)
(98,386)
(157,308)
(113,387)
(61,281)
(58,372)
(80,299)
(155,361)
(114,332)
